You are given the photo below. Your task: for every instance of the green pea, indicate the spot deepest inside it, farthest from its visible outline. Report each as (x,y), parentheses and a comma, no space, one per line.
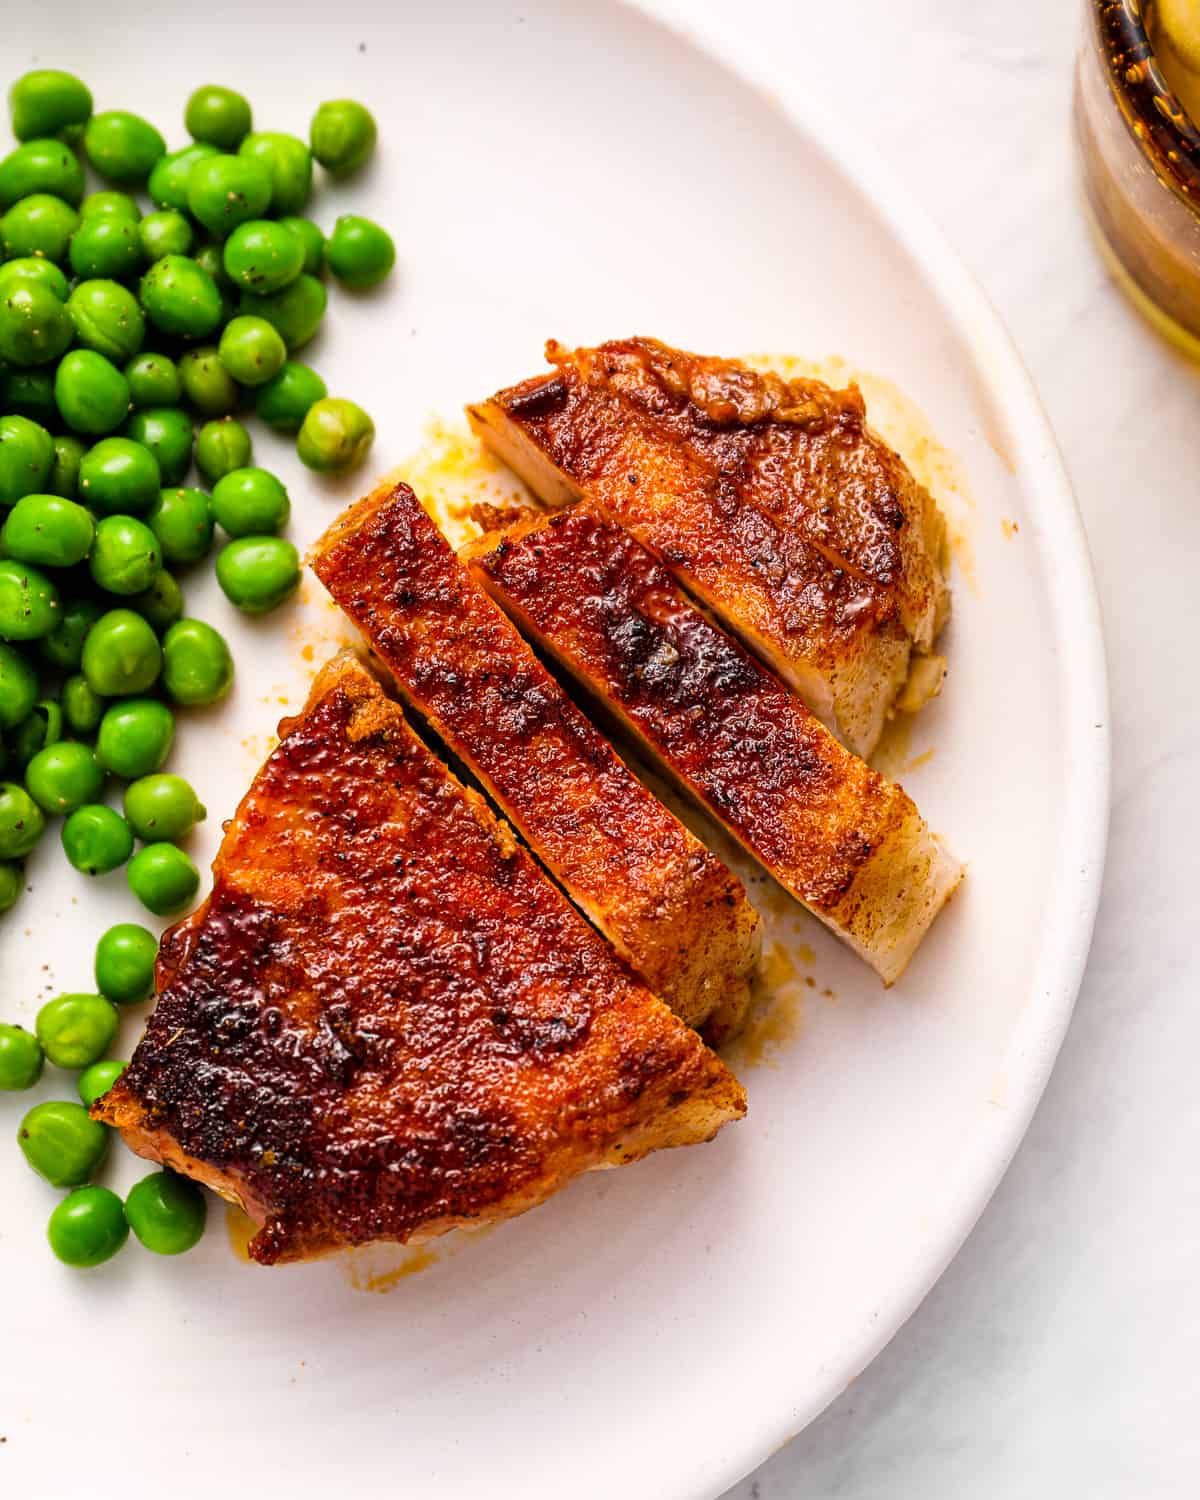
(34,325)
(125,556)
(47,102)
(180,297)
(135,739)
(107,318)
(95,1082)
(20,1058)
(41,166)
(88,1227)
(64,471)
(124,966)
(166,232)
(284,401)
(212,258)
(32,734)
(257,573)
(26,457)
(22,821)
(11,880)
(250,502)
(96,839)
(207,384)
(161,604)
(360,254)
(197,664)
(121,655)
(119,205)
(30,269)
(168,185)
(106,246)
(18,686)
(167,432)
(75,1030)
(163,878)
(166,1212)
(91,392)
(162,807)
(342,135)
(296,311)
(30,393)
(289,163)
(221,447)
(119,477)
(63,647)
(40,225)
(153,380)
(182,520)
(47,529)
(225,191)
(29,602)
(82,708)
(251,350)
(122,147)
(60,1140)
(62,777)
(217,115)
(263,257)
(313,241)
(335,436)
(41,727)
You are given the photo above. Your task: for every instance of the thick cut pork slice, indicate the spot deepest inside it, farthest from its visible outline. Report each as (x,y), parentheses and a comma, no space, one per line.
(386,1021)
(845,842)
(671,909)
(772,501)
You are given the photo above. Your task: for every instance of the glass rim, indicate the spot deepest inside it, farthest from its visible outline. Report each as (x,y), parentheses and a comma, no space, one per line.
(1155,117)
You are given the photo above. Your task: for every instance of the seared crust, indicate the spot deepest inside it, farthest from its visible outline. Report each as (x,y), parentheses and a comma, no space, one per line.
(671,909)
(771,500)
(848,844)
(386,1021)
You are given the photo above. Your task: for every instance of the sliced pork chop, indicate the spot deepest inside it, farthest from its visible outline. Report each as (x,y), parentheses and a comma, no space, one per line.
(386,1021)
(771,500)
(670,908)
(844,841)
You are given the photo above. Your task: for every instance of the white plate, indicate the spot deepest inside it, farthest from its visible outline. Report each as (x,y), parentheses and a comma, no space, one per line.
(579,172)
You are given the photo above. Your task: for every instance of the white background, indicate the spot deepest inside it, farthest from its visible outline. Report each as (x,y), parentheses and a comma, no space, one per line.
(1058,1356)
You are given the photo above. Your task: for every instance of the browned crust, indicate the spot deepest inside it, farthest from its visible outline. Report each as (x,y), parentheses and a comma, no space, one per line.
(771,500)
(386,1020)
(846,842)
(672,909)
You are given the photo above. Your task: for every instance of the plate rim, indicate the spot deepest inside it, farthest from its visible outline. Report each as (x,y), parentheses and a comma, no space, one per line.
(1077,870)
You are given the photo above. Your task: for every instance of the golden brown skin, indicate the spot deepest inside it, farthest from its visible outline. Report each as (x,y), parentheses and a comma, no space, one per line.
(848,844)
(771,500)
(671,909)
(386,1021)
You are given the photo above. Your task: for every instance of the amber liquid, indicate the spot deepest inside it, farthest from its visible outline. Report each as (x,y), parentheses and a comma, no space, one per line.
(1149,235)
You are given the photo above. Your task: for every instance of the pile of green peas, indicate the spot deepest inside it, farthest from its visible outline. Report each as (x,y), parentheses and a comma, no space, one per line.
(133,338)
(60,1140)
(130,342)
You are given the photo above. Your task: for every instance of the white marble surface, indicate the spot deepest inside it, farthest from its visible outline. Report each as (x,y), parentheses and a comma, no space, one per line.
(1058,1356)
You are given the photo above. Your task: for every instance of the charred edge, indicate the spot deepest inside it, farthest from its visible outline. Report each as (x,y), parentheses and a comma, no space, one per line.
(542,398)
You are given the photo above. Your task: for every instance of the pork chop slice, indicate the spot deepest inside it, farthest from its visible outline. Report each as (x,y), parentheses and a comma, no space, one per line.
(673,911)
(772,501)
(844,841)
(386,1021)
